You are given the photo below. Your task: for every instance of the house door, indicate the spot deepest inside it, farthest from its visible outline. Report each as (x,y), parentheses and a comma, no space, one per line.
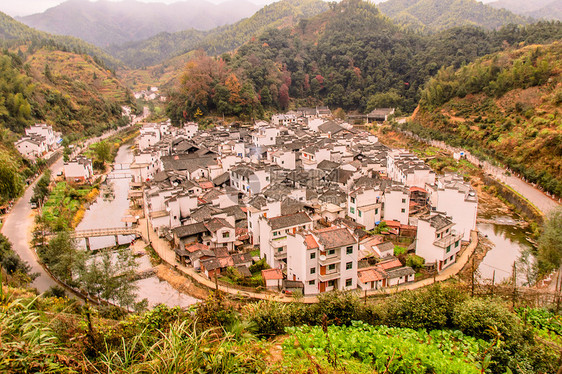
(322,286)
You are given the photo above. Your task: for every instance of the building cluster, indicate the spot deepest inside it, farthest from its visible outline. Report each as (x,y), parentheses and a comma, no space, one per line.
(38,141)
(322,201)
(150,94)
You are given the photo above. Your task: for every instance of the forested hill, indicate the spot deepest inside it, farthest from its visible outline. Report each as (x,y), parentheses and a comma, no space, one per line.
(548,9)
(433,15)
(14,33)
(108,22)
(506,106)
(351,57)
(157,49)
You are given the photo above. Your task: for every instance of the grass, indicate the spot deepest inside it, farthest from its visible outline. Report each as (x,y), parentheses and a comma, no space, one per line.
(66,201)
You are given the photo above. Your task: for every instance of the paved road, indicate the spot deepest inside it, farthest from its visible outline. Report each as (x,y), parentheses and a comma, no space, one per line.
(17,228)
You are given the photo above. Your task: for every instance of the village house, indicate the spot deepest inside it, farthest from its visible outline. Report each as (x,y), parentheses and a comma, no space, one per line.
(436,241)
(323,260)
(365,207)
(456,198)
(273,236)
(78,170)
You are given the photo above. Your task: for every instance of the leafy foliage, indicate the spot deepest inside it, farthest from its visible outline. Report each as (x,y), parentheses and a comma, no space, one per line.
(503,106)
(428,15)
(550,242)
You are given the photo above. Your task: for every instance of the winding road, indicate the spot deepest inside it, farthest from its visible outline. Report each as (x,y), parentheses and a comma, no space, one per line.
(19,223)
(17,228)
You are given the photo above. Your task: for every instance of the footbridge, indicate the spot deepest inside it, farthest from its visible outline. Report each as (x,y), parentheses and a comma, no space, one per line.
(113,231)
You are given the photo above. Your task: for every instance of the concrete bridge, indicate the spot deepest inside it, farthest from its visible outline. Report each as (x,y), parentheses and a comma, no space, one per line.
(114,231)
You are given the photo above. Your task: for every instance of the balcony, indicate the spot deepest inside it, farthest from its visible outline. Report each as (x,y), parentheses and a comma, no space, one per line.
(280,255)
(334,274)
(448,240)
(332,259)
(278,242)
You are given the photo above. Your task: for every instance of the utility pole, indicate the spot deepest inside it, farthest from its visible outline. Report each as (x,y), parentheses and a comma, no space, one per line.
(514,285)
(472,288)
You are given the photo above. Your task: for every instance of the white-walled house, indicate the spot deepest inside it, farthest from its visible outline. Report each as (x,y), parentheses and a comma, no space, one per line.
(437,241)
(51,138)
(456,198)
(283,119)
(273,236)
(323,260)
(260,207)
(365,207)
(190,129)
(396,204)
(408,169)
(31,147)
(284,158)
(249,179)
(265,136)
(78,170)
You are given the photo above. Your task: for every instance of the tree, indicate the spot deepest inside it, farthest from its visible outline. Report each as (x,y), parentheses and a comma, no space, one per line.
(550,242)
(41,189)
(103,151)
(12,263)
(109,276)
(10,180)
(61,256)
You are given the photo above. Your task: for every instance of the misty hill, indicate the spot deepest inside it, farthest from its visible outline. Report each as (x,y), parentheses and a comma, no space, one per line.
(104,23)
(285,13)
(432,15)
(14,33)
(547,9)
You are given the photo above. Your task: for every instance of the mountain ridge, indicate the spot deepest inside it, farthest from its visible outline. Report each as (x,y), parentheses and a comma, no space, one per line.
(104,23)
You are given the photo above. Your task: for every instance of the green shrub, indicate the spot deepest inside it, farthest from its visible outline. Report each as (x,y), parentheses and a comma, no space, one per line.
(430,308)
(480,317)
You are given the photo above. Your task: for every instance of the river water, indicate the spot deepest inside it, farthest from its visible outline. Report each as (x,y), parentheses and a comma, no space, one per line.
(509,242)
(107,212)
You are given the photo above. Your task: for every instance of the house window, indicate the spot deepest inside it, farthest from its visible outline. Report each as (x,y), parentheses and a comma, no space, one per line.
(311,283)
(331,283)
(348,282)
(445,262)
(456,244)
(313,255)
(351,210)
(331,252)
(332,267)
(403,210)
(376,210)
(447,230)
(312,270)
(274,233)
(353,200)
(403,201)
(226,234)
(349,266)
(349,250)
(448,249)
(359,212)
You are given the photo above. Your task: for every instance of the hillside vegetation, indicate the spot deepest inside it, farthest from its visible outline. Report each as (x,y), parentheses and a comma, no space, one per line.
(506,106)
(435,330)
(548,9)
(432,15)
(105,23)
(14,33)
(157,49)
(351,57)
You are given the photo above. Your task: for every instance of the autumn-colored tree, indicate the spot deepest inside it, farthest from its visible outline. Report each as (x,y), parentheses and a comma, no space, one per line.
(284,96)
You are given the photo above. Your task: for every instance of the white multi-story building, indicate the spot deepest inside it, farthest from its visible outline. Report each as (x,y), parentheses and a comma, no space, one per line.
(436,241)
(249,179)
(284,158)
(51,138)
(283,119)
(365,207)
(408,169)
(78,170)
(450,194)
(265,136)
(323,260)
(31,147)
(273,236)
(396,204)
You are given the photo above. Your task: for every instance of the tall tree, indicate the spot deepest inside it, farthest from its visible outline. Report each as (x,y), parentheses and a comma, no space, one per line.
(550,242)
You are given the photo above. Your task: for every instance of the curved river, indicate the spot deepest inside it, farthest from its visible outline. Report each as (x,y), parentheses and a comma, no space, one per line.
(108,211)
(509,242)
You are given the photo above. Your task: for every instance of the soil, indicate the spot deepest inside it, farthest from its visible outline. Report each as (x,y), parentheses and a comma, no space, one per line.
(180,282)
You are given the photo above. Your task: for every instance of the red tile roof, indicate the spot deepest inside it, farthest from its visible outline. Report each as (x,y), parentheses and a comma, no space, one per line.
(310,242)
(271,274)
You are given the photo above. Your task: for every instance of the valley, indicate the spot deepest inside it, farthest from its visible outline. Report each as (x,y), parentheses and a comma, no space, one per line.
(299,187)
